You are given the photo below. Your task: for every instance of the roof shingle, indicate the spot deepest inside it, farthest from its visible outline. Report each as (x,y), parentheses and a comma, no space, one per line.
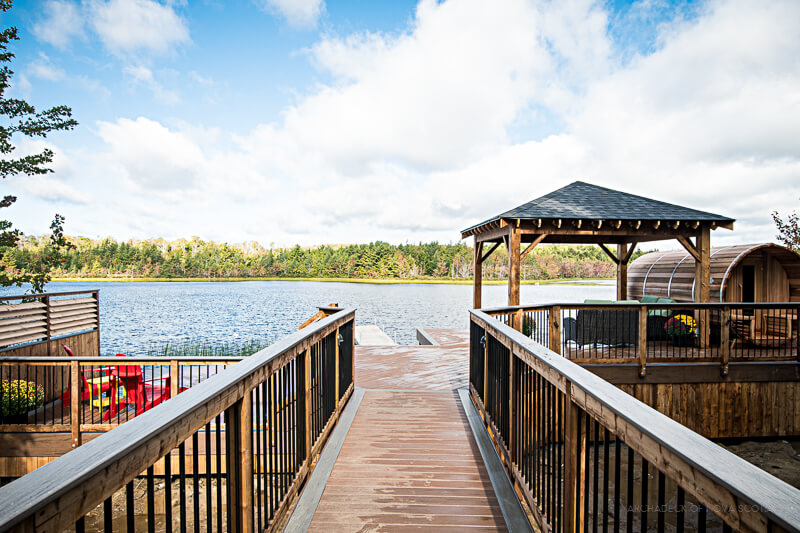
(580,200)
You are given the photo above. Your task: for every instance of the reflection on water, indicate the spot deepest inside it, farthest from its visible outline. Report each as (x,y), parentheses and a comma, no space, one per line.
(135,316)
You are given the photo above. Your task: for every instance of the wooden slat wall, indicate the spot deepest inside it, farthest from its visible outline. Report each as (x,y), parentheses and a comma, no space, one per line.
(671,274)
(728,409)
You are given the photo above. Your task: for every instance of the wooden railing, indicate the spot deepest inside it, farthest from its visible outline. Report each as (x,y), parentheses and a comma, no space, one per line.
(628,333)
(586,455)
(41,317)
(161,378)
(236,447)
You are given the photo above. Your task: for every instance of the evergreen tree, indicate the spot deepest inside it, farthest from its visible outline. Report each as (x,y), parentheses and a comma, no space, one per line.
(21,118)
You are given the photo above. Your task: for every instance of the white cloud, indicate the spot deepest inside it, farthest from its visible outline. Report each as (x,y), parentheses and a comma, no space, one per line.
(61,23)
(144,76)
(128,26)
(411,140)
(44,69)
(299,14)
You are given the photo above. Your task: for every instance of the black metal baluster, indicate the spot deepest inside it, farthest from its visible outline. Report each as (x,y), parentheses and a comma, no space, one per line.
(80,525)
(257,460)
(605,479)
(586,471)
(168,492)
(182,486)
(130,512)
(218,442)
(265,433)
(196,482)
(209,514)
(701,518)
(629,495)
(662,511)
(645,499)
(151,501)
(617,498)
(596,477)
(108,524)
(680,515)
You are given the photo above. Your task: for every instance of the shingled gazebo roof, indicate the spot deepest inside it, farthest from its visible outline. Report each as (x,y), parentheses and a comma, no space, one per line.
(582,212)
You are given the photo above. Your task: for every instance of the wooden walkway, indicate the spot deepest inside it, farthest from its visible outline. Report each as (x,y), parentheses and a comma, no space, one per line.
(409,460)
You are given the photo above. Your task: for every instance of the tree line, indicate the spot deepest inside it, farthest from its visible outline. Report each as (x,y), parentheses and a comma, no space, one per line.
(196,258)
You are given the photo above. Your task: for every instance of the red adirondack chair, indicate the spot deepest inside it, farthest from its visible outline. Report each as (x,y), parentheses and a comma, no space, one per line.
(92,387)
(141,393)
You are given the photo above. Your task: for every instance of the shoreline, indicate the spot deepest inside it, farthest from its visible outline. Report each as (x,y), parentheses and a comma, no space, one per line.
(385,281)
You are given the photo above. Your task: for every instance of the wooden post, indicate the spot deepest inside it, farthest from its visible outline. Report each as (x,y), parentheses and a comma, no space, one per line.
(641,341)
(477,274)
(48,325)
(96,295)
(702,274)
(555,329)
(239,421)
(336,366)
(622,272)
(75,402)
(307,398)
(514,244)
(516,320)
(724,340)
(574,450)
(174,378)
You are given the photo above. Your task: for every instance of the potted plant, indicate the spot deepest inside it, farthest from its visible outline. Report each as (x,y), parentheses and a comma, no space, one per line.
(17,397)
(682,329)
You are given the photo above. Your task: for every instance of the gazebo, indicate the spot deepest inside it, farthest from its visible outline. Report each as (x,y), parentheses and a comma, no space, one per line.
(582,213)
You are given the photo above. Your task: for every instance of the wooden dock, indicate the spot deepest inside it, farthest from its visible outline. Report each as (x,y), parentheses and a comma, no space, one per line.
(409,460)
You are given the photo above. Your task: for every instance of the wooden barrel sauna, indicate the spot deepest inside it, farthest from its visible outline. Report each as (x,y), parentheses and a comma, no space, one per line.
(740,273)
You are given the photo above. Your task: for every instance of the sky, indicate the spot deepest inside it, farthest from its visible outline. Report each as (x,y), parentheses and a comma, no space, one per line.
(327,122)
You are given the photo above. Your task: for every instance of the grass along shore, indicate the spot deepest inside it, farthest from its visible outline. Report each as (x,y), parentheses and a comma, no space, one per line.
(386,281)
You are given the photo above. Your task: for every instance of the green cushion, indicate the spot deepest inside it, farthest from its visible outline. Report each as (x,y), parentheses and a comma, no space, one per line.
(646,299)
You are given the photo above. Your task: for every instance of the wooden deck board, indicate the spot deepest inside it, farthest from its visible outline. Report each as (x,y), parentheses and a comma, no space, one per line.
(409,461)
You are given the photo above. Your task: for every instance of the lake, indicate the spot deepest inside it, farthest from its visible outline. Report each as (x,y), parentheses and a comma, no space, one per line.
(135,316)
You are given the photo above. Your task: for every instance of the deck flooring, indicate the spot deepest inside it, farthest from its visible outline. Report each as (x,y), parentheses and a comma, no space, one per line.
(410,461)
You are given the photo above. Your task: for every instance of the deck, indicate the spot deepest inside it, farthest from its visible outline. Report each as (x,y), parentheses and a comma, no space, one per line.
(409,459)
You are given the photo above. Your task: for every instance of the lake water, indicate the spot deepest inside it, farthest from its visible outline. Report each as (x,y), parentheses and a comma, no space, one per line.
(135,316)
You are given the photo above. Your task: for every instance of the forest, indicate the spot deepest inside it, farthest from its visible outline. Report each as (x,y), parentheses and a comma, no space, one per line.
(196,258)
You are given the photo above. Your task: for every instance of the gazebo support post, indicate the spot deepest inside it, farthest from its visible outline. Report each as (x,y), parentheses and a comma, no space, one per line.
(622,272)
(513,243)
(477,274)
(702,275)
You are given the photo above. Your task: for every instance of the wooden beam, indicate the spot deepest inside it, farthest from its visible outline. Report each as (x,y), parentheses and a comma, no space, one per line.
(513,245)
(491,250)
(532,245)
(608,252)
(492,234)
(630,253)
(477,272)
(689,247)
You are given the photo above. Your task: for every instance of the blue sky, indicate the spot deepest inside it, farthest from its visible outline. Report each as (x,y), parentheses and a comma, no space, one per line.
(311,122)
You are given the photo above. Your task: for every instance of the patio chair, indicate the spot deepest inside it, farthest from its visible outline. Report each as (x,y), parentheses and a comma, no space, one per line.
(95,388)
(141,393)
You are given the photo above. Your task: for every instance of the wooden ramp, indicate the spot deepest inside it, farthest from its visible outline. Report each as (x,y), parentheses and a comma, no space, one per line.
(409,460)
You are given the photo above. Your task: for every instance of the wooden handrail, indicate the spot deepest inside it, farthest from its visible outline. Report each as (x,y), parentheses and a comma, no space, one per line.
(743,495)
(54,496)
